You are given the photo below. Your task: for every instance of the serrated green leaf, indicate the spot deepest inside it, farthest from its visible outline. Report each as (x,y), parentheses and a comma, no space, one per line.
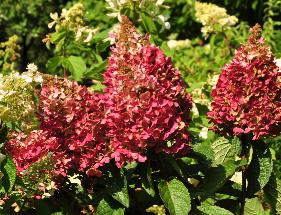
(204,151)
(260,168)
(77,67)
(224,150)
(9,174)
(106,208)
(118,189)
(213,210)
(175,196)
(221,148)
(273,193)
(253,207)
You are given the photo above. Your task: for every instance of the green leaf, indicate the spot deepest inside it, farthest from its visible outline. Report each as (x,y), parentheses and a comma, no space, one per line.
(175,197)
(77,67)
(273,193)
(213,210)
(9,174)
(253,207)
(53,64)
(106,208)
(221,148)
(216,178)
(57,36)
(102,46)
(204,151)
(224,150)
(100,36)
(148,23)
(118,189)
(166,49)
(96,71)
(260,168)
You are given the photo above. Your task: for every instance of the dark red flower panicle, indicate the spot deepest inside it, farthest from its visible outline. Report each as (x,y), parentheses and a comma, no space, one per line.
(148,103)
(247,97)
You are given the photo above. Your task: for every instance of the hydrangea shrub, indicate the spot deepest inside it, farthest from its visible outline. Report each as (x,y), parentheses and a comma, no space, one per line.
(144,106)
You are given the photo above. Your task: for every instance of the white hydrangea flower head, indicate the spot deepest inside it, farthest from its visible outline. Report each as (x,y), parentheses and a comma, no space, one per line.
(31,67)
(210,15)
(178,44)
(17,96)
(72,19)
(203,133)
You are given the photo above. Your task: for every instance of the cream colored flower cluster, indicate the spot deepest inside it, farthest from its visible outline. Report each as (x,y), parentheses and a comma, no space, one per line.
(152,7)
(211,15)
(73,20)
(179,44)
(156,209)
(17,97)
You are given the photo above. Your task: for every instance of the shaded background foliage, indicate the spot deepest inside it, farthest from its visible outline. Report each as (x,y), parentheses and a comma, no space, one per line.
(28,20)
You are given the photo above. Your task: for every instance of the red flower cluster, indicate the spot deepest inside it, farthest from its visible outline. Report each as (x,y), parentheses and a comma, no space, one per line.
(70,118)
(144,106)
(149,106)
(247,98)
(73,114)
(27,149)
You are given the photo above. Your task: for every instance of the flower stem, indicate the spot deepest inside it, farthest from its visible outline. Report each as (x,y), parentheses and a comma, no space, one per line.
(244,188)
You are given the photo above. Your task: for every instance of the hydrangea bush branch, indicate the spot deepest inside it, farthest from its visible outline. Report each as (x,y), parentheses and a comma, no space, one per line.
(72,20)
(247,97)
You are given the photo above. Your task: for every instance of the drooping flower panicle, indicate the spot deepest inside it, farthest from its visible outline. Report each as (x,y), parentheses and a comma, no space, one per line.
(247,97)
